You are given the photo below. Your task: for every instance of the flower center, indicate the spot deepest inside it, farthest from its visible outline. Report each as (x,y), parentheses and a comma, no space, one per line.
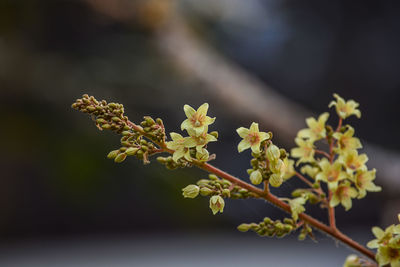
(253,138)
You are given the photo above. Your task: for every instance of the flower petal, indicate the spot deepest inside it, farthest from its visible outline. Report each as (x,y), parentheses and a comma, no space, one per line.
(254,127)
(242,132)
(243,145)
(202,110)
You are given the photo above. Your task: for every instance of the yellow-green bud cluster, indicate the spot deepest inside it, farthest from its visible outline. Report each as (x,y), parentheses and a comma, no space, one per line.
(271,164)
(170,164)
(108,116)
(132,145)
(269,227)
(154,128)
(215,186)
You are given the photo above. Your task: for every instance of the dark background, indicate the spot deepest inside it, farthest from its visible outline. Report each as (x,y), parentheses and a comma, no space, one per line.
(56,182)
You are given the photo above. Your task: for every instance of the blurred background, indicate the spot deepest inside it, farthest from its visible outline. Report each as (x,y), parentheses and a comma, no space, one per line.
(63,203)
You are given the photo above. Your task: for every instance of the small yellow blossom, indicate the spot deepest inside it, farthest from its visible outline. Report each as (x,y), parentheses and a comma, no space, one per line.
(364,182)
(252,138)
(305,151)
(197,120)
(297,206)
(346,141)
(343,195)
(345,109)
(388,255)
(181,146)
(316,128)
(352,161)
(330,173)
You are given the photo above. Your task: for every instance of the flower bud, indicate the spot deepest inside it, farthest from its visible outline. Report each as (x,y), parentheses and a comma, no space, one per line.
(352,261)
(205,191)
(113,154)
(120,158)
(226,192)
(273,153)
(256,177)
(275,180)
(217,203)
(131,151)
(190,191)
(244,227)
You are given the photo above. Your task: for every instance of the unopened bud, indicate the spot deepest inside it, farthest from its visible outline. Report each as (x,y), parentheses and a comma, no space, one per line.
(205,191)
(131,151)
(244,227)
(113,154)
(190,191)
(120,158)
(273,153)
(275,180)
(256,177)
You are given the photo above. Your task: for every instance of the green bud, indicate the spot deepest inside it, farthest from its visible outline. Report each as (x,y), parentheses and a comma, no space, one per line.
(205,191)
(126,133)
(116,119)
(120,158)
(191,191)
(202,182)
(213,177)
(288,228)
(273,153)
(113,154)
(226,192)
(161,160)
(316,185)
(267,220)
(275,180)
(244,227)
(217,203)
(256,177)
(226,182)
(106,126)
(131,151)
(149,120)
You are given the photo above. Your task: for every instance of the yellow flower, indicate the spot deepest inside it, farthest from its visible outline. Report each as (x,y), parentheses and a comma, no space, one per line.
(316,128)
(363,181)
(305,151)
(388,255)
(181,146)
(343,195)
(252,138)
(352,161)
(345,109)
(197,120)
(310,171)
(346,141)
(330,173)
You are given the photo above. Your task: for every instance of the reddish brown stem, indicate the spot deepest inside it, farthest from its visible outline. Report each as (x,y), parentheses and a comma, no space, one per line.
(322,153)
(284,206)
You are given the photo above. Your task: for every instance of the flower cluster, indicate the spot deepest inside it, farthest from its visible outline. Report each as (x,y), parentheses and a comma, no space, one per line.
(388,244)
(193,146)
(342,168)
